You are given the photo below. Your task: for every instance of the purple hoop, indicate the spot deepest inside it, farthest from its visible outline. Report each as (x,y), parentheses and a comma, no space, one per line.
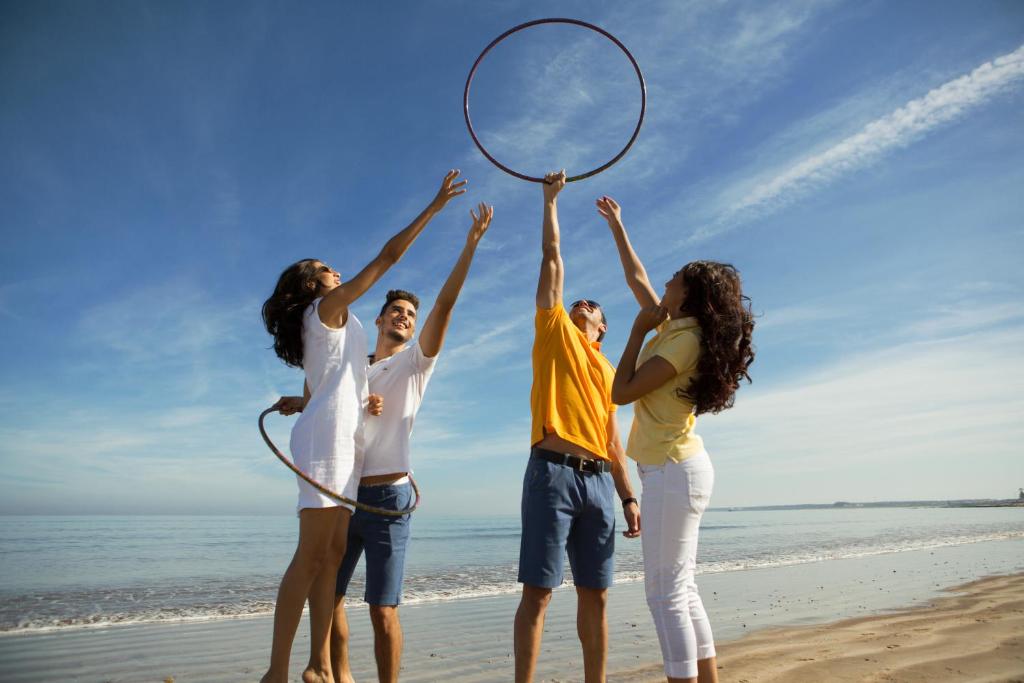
(575,22)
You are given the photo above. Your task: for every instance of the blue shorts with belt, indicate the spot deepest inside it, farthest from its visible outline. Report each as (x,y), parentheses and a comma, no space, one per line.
(383,539)
(565,511)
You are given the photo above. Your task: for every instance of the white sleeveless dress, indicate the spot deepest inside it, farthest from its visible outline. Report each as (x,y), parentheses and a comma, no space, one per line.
(327,440)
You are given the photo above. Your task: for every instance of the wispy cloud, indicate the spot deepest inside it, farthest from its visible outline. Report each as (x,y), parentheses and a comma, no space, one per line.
(899,418)
(900,128)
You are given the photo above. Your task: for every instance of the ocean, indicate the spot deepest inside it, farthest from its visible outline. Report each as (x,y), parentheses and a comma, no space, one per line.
(76,572)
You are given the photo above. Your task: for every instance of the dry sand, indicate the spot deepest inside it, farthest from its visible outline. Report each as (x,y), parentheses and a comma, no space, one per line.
(975,635)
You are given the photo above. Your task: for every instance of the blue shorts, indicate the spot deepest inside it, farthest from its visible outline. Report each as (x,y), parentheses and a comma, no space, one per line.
(566,511)
(384,539)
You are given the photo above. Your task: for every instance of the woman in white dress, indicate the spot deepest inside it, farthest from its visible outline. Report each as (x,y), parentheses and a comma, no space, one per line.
(308,316)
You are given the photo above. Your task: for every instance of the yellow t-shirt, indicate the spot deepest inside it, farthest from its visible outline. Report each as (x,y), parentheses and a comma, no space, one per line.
(663,420)
(572,384)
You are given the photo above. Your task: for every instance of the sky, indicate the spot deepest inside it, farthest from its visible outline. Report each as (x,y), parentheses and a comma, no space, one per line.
(861,163)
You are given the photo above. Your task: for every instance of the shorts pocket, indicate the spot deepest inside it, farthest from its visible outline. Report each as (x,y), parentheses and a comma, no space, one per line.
(539,475)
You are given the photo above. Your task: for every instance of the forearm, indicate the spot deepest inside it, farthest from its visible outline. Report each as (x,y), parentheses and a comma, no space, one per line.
(549,284)
(632,268)
(627,367)
(449,293)
(400,243)
(622,484)
(550,235)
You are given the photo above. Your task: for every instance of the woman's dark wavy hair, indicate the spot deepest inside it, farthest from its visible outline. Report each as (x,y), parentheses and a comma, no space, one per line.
(714,296)
(282,312)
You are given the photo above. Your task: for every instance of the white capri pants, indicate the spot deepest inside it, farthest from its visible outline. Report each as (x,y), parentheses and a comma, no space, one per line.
(675,496)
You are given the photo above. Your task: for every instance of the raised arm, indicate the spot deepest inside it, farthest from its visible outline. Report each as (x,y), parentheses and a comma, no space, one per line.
(632,268)
(549,285)
(334,308)
(432,335)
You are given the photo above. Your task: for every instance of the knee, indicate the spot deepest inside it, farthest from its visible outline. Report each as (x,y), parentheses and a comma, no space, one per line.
(535,598)
(384,619)
(335,553)
(594,598)
(309,564)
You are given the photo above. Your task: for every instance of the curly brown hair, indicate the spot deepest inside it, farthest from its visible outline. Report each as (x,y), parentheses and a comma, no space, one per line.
(282,312)
(714,296)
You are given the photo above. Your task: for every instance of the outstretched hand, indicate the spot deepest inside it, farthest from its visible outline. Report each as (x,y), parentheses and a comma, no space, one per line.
(610,209)
(449,189)
(480,222)
(553,184)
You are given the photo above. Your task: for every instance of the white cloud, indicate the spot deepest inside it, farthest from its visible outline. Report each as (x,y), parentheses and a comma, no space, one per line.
(905,125)
(904,418)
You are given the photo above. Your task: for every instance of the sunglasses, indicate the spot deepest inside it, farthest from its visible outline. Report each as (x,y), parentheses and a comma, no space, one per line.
(588,302)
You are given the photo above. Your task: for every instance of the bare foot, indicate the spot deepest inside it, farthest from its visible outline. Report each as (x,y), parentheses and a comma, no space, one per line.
(313,675)
(270,678)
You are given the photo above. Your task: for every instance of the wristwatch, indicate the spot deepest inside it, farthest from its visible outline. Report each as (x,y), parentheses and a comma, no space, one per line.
(627,501)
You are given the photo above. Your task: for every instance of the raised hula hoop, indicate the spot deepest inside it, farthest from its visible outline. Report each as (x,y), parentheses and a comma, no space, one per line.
(537,22)
(326,491)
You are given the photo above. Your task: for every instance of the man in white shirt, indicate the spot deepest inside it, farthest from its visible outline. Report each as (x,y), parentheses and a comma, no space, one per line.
(399,372)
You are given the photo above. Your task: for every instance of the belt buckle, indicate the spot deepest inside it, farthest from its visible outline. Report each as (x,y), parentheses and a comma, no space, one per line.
(576,462)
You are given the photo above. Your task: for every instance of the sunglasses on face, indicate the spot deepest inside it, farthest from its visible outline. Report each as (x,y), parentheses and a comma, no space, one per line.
(588,302)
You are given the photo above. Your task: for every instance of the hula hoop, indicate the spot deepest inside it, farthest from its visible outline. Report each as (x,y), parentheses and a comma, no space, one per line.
(328,492)
(536,22)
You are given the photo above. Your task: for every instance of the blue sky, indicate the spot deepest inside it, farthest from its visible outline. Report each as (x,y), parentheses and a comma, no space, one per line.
(861,163)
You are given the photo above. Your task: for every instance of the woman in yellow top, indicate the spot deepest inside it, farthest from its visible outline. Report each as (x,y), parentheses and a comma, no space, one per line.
(693,365)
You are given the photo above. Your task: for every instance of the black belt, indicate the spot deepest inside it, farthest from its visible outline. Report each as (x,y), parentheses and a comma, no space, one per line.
(574,461)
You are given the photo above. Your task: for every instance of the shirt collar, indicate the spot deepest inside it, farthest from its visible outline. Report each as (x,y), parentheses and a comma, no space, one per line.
(681,324)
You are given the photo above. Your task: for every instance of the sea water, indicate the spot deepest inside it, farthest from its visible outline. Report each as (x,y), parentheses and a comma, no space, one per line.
(77,572)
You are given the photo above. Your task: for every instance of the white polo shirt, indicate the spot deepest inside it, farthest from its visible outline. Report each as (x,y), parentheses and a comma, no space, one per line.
(401,380)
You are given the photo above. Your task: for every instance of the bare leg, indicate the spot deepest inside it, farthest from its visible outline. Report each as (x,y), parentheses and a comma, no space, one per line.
(321,605)
(339,643)
(707,670)
(387,641)
(529,627)
(592,628)
(316,528)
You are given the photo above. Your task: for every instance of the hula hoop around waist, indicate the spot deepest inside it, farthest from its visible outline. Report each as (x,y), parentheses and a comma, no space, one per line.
(328,492)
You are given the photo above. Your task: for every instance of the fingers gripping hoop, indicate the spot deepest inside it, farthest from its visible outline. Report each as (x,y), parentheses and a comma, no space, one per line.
(537,22)
(326,491)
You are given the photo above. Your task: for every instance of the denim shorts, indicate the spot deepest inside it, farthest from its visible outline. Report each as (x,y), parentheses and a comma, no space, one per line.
(383,539)
(566,512)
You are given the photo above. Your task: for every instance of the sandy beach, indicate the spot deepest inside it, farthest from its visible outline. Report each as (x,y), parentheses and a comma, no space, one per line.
(837,615)
(977,634)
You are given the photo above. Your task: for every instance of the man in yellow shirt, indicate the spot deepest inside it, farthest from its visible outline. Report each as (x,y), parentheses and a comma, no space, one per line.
(576,465)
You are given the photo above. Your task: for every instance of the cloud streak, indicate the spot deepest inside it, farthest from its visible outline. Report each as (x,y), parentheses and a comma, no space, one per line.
(902,127)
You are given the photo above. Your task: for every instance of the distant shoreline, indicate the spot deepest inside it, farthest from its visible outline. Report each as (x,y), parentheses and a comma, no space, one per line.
(838,505)
(845,505)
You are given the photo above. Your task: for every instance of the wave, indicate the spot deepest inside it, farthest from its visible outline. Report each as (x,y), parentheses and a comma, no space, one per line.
(419,589)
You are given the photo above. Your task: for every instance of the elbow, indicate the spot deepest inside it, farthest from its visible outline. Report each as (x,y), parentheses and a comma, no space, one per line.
(550,250)
(620,398)
(389,256)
